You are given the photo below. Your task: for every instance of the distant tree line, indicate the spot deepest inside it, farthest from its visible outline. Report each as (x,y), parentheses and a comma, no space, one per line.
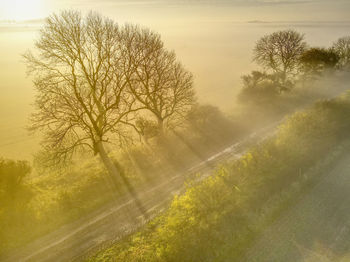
(286,59)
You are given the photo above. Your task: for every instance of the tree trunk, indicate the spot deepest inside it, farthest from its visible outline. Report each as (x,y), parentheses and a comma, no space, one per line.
(161,127)
(112,170)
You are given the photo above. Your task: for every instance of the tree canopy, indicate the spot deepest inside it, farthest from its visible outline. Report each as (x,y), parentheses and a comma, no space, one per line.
(12,174)
(316,60)
(160,83)
(96,79)
(279,52)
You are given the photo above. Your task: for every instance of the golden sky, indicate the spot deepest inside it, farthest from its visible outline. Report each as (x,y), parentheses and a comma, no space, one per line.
(139,10)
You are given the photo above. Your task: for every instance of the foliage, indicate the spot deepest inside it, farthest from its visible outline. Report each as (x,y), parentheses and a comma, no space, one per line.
(15,195)
(213,221)
(51,197)
(315,61)
(207,125)
(43,202)
(207,212)
(262,88)
(12,174)
(146,128)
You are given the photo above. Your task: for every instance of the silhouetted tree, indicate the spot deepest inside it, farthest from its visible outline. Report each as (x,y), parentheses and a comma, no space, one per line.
(159,83)
(315,60)
(146,129)
(259,87)
(342,48)
(12,174)
(280,52)
(209,125)
(81,79)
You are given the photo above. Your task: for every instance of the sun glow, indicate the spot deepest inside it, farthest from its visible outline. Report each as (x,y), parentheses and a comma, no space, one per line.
(21,9)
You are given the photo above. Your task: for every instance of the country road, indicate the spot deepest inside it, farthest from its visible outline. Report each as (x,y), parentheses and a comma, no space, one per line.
(316,228)
(73,241)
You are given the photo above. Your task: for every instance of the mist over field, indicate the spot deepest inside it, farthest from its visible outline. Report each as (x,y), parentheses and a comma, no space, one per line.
(174,130)
(217,52)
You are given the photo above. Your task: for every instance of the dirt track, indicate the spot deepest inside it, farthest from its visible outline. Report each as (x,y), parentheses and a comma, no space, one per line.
(316,229)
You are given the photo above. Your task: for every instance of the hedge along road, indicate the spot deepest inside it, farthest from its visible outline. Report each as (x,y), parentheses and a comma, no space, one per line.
(112,222)
(316,229)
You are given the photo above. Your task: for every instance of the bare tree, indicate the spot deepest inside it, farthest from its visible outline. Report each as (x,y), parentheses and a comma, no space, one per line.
(280,52)
(342,48)
(159,83)
(81,78)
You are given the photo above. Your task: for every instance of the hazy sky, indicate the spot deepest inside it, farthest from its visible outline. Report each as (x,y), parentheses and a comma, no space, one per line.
(140,10)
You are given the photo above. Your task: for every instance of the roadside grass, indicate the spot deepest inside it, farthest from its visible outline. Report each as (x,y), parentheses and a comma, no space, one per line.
(54,199)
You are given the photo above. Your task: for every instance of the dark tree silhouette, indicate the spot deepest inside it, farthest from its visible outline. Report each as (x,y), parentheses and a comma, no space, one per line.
(280,52)
(146,129)
(342,48)
(315,61)
(160,83)
(81,77)
(259,87)
(12,174)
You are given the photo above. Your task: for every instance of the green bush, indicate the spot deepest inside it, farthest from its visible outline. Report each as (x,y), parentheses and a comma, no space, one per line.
(214,220)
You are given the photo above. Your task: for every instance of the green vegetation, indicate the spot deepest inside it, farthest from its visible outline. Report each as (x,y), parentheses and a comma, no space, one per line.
(34,204)
(99,83)
(31,205)
(216,219)
(14,196)
(315,61)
